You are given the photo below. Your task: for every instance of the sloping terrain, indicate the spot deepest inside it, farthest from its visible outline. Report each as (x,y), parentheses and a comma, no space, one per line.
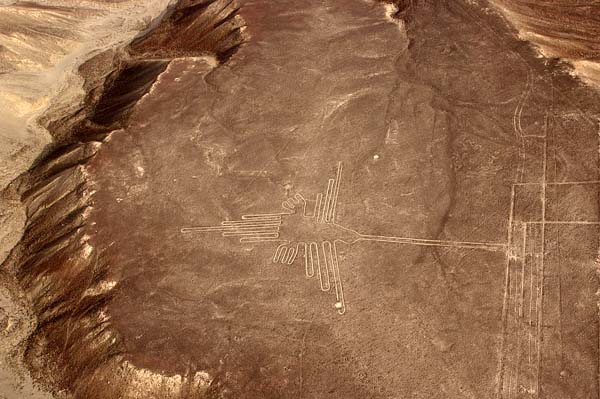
(564,29)
(313,199)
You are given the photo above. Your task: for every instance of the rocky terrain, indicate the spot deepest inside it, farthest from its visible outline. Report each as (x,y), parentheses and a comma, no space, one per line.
(561,29)
(248,199)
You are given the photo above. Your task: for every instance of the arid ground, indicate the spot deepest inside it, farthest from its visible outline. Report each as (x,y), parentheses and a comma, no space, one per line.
(317,199)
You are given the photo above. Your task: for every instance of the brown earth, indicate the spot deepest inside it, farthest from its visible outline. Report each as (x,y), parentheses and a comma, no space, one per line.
(433,169)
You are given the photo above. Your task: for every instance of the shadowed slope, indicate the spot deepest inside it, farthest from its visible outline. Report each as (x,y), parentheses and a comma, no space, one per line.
(74,347)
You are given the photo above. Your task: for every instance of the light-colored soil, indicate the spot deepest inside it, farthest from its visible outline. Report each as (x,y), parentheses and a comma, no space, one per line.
(44,43)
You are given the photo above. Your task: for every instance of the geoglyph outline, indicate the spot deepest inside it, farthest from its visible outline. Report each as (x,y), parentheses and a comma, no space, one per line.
(320,256)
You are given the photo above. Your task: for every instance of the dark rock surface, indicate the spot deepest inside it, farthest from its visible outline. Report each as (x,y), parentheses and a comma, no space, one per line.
(435,179)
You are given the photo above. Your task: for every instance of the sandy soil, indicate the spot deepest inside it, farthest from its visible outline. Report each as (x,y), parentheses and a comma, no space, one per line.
(560,29)
(43,43)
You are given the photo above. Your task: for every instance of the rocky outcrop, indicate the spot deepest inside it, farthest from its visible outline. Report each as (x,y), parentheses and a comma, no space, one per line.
(73,346)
